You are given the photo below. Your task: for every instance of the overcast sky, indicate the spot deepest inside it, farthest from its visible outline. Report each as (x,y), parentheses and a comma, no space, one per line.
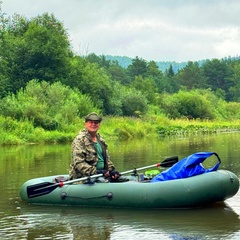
(159,30)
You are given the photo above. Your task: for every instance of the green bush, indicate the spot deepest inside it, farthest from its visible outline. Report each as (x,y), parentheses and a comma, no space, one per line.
(190,104)
(50,106)
(134,104)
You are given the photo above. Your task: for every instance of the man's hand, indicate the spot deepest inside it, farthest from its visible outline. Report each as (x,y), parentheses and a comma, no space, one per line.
(114,175)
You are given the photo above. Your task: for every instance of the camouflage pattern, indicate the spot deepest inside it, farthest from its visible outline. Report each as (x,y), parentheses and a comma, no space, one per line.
(84,156)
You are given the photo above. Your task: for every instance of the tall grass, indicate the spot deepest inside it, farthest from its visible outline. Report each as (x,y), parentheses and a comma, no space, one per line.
(121,128)
(23,132)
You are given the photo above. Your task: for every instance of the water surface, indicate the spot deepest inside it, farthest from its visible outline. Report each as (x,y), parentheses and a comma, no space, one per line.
(19,220)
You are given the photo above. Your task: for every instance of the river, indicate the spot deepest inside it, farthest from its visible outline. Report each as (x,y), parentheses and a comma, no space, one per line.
(19,220)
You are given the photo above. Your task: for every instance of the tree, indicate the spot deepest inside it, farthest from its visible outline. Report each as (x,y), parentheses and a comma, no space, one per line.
(118,73)
(37,48)
(192,76)
(115,103)
(218,75)
(153,70)
(92,81)
(137,68)
(154,73)
(169,82)
(4,78)
(234,91)
(146,86)
(100,60)
(170,72)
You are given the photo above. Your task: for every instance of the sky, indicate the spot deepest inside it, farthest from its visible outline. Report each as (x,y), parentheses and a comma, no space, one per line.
(158,30)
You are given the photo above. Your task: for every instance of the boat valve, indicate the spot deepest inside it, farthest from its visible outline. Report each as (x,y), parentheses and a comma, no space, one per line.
(63,195)
(109,196)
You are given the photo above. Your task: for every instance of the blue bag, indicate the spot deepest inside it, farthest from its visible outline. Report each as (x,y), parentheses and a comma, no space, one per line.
(187,167)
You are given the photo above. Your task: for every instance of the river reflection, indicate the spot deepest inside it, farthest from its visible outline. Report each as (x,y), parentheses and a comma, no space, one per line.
(52,222)
(21,221)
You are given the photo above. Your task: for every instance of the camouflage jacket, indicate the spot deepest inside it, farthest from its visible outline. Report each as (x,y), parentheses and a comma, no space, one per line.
(84,156)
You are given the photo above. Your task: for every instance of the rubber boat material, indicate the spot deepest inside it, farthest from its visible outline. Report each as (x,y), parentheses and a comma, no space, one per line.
(189,192)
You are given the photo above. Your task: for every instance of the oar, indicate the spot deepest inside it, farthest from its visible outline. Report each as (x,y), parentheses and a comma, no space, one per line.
(44,188)
(168,162)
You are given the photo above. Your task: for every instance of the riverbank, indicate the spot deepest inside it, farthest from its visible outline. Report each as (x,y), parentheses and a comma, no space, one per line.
(121,128)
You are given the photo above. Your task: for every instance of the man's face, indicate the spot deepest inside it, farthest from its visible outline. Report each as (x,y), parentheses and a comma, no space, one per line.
(92,126)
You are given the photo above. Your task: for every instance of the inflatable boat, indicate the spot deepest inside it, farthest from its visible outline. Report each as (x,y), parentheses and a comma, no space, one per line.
(185,184)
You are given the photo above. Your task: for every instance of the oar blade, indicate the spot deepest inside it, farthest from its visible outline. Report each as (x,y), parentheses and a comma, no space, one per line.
(40,189)
(169,162)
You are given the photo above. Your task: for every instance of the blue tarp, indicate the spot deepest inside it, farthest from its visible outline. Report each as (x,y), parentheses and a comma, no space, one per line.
(188,167)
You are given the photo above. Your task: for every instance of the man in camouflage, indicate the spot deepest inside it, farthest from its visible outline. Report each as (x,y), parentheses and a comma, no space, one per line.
(89,152)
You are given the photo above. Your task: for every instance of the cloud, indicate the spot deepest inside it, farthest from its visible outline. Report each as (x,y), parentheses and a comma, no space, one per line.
(173,30)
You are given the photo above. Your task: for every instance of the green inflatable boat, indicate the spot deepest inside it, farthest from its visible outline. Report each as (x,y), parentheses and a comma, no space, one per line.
(189,192)
(185,184)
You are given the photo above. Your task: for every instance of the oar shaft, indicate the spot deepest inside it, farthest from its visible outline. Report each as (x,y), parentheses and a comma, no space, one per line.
(82,179)
(171,161)
(100,175)
(142,168)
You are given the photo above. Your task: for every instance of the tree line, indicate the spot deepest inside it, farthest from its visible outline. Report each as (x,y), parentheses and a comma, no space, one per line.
(43,80)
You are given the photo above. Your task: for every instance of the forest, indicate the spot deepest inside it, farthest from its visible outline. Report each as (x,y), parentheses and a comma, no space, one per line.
(45,83)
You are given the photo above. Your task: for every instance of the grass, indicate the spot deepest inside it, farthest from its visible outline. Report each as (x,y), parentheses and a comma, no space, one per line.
(121,128)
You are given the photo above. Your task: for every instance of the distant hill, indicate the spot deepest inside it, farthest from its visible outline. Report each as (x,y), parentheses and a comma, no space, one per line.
(124,62)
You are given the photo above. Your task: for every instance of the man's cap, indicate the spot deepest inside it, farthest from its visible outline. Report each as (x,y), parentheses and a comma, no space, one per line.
(93,117)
